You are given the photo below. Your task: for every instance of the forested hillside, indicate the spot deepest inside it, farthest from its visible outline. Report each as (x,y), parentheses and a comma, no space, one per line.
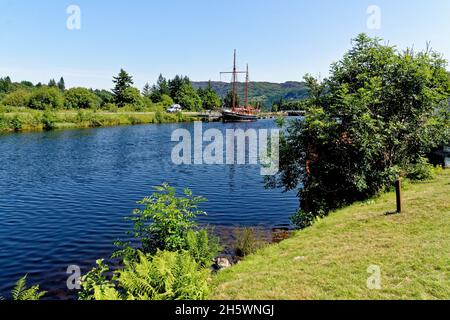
(264,92)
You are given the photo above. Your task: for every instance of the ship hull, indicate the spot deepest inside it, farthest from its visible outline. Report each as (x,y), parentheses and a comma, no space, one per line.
(230,116)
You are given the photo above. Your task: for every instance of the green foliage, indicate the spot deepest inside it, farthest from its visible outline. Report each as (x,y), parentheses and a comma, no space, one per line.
(164,276)
(61,84)
(132,96)
(80,98)
(210,99)
(188,98)
(228,100)
(202,246)
(365,124)
(265,93)
(166,219)
(420,171)
(5,85)
(45,98)
(105,96)
(18,98)
(122,84)
(95,282)
(16,123)
(246,242)
(48,120)
(21,292)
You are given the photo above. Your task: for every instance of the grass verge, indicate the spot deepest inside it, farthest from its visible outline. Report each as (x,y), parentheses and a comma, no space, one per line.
(330,260)
(33,120)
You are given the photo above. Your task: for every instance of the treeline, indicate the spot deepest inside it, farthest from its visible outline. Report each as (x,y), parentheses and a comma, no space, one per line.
(124,95)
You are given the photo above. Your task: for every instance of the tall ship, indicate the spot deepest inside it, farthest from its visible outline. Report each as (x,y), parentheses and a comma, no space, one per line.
(238,113)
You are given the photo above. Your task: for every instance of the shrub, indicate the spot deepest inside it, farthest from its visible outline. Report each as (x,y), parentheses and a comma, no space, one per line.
(202,246)
(420,171)
(303,219)
(246,242)
(165,276)
(166,219)
(48,120)
(19,98)
(45,97)
(16,123)
(81,98)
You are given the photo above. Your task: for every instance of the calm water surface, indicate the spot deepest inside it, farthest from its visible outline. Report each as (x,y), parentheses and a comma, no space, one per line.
(64,195)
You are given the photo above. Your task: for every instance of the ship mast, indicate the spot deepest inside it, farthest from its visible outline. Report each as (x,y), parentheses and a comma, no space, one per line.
(234,74)
(246,90)
(234,80)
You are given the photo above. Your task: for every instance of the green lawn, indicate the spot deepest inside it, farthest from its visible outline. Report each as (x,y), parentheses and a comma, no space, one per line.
(330,259)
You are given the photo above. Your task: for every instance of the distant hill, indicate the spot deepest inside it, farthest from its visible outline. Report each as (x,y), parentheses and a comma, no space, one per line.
(264,92)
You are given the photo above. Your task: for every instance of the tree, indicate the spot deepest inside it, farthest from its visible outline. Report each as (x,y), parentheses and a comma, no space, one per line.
(228,100)
(365,126)
(105,96)
(188,98)
(81,98)
(18,98)
(210,99)
(121,83)
(147,90)
(162,85)
(52,83)
(45,97)
(62,84)
(5,84)
(175,86)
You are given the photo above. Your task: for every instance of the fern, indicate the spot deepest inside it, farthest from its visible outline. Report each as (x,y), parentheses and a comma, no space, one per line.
(22,292)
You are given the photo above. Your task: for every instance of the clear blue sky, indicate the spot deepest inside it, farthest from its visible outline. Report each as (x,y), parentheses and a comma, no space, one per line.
(281,40)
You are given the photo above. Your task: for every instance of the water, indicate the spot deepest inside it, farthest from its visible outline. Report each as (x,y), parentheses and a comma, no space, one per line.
(64,195)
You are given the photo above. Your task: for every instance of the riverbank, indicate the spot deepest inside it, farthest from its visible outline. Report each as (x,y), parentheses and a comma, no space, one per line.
(331,259)
(34,120)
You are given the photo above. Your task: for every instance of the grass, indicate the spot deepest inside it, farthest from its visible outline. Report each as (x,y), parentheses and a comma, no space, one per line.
(330,260)
(34,120)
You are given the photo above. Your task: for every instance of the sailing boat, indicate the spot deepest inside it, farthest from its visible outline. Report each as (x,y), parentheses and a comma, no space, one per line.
(245,113)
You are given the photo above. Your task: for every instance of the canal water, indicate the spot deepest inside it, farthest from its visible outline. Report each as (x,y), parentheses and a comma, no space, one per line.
(64,195)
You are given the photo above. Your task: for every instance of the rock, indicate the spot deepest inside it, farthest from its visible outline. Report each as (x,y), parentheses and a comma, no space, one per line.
(223,263)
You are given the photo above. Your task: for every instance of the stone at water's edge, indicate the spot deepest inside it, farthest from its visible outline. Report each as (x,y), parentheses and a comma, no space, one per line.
(223,263)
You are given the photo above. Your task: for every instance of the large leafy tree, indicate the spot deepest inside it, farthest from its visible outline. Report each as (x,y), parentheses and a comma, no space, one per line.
(210,99)
(188,98)
(122,83)
(375,116)
(81,98)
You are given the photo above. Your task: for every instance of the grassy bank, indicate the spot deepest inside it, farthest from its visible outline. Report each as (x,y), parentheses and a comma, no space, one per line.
(330,259)
(34,120)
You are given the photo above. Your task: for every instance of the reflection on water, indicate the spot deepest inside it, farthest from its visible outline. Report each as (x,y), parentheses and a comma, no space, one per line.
(64,195)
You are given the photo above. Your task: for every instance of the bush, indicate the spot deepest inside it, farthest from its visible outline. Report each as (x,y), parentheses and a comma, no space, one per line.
(45,98)
(303,219)
(420,171)
(48,120)
(246,242)
(165,276)
(16,123)
(202,246)
(166,219)
(81,98)
(132,96)
(19,98)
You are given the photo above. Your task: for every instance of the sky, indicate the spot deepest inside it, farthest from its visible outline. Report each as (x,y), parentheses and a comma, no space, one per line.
(281,40)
